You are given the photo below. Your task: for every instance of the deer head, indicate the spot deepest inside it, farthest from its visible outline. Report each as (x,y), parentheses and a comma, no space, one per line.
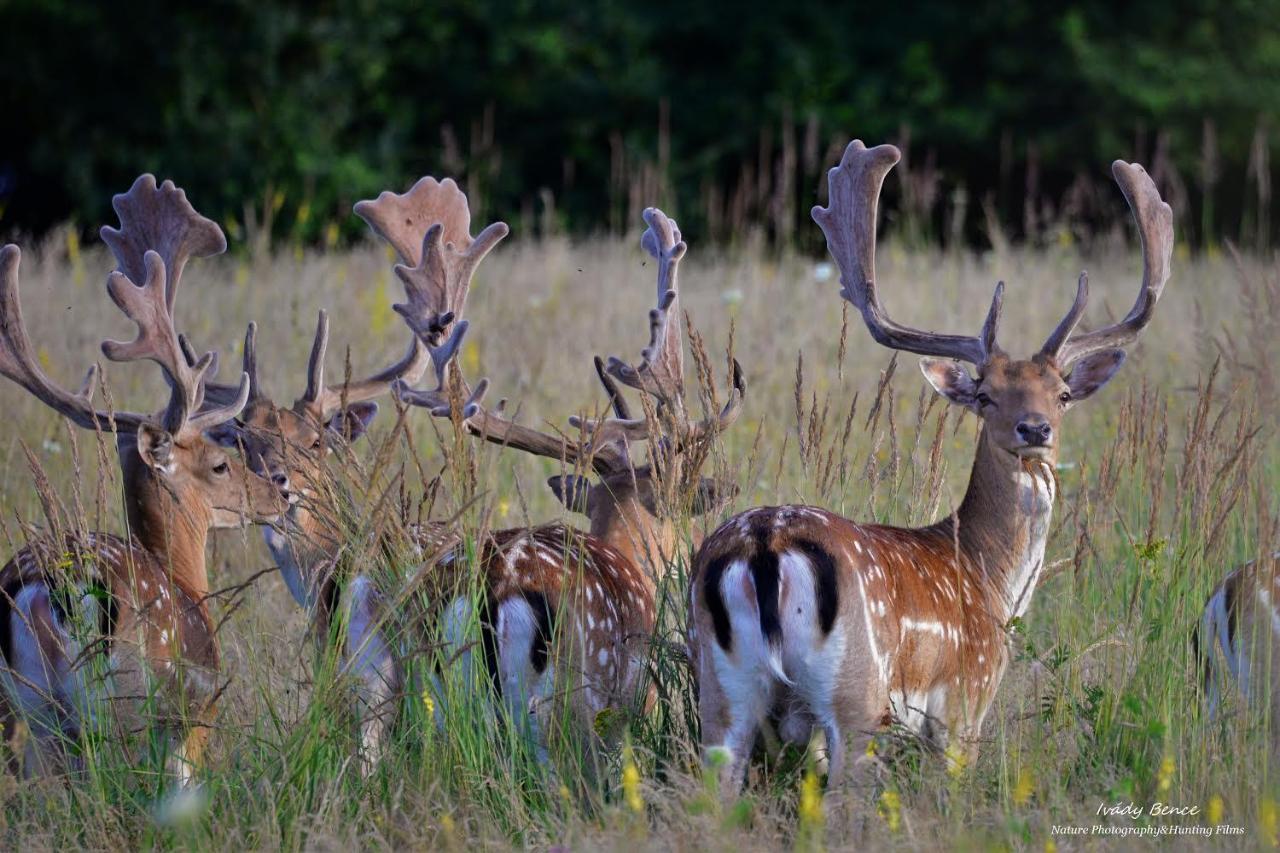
(1020,401)
(429,229)
(174,475)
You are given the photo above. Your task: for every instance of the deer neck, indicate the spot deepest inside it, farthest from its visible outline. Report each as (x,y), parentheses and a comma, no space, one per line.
(170,525)
(1003,522)
(632,530)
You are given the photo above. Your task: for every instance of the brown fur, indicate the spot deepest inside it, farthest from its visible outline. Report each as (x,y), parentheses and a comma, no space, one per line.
(157,582)
(921,613)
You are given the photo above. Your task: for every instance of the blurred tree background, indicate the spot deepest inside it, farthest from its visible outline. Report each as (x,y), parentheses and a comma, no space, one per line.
(277,116)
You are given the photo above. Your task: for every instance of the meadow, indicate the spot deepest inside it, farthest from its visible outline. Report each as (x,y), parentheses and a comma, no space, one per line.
(1168,479)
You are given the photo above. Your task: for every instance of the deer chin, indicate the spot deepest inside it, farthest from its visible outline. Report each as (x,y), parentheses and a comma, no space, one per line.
(1032,451)
(226,518)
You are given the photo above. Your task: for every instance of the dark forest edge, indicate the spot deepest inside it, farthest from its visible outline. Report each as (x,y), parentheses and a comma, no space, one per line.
(568,117)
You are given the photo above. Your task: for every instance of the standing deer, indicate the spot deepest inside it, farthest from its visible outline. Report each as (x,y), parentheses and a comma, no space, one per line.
(847,627)
(134,605)
(429,229)
(567,616)
(1238,640)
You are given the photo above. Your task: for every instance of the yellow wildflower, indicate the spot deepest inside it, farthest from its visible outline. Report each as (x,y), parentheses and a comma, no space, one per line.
(470,357)
(1213,811)
(631,784)
(1267,821)
(811,812)
(428,703)
(1167,768)
(1024,788)
(890,809)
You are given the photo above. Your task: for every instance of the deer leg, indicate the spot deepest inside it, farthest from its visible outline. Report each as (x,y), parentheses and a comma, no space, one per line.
(370,659)
(731,703)
(40,679)
(189,755)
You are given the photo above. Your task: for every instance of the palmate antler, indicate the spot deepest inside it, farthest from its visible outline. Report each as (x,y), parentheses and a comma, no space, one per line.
(159,232)
(849,223)
(604,444)
(661,369)
(160,219)
(1155,229)
(157,341)
(428,228)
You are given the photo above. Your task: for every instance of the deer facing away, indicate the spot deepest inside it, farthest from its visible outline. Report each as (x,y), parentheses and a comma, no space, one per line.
(1238,641)
(134,606)
(806,617)
(566,616)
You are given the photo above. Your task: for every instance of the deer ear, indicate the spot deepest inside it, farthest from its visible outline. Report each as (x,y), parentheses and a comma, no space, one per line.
(225,434)
(353,421)
(155,446)
(712,495)
(573,491)
(1092,372)
(951,380)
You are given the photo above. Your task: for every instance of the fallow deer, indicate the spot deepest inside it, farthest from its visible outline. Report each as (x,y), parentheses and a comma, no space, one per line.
(819,621)
(132,605)
(429,229)
(566,615)
(1238,641)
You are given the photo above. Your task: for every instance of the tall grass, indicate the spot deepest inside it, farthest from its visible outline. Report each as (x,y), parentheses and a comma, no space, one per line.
(1167,480)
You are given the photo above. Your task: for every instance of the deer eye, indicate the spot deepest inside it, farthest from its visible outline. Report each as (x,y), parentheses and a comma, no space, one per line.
(984,400)
(1064,397)
(222,468)
(315,445)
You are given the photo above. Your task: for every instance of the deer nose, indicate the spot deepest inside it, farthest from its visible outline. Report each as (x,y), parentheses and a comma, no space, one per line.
(1034,431)
(280,480)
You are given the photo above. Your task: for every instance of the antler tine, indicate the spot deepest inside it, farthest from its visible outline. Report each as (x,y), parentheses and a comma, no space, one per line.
(622,430)
(160,219)
(321,401)
(1053,344)
(661,369)
(157,341)
(250,361)
(313,396)
(619,403)
(493,425)
(1155,228)
(711,426)
(218,394)
(437,399)
(849,223)
(18,361)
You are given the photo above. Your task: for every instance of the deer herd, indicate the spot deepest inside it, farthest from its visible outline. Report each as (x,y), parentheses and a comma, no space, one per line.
(801,623)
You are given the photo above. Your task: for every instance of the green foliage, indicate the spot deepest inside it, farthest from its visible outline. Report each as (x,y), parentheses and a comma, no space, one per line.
(280,115)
